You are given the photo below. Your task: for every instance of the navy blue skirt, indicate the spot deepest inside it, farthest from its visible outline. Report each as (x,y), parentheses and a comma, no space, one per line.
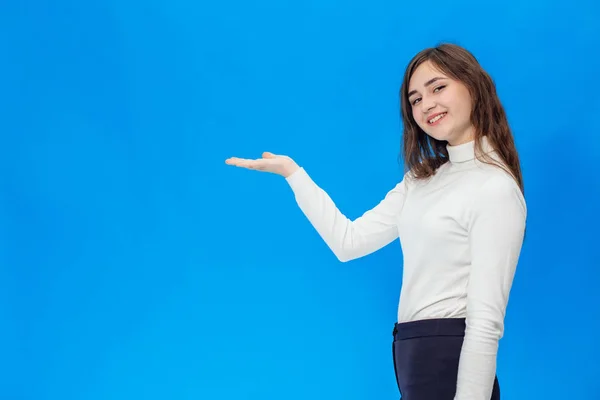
(426,355)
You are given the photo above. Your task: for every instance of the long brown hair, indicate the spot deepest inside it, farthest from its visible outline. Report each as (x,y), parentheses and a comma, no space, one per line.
(423,154)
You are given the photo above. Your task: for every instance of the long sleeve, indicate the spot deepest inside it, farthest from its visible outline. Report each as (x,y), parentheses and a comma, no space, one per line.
(496,231)
(348,239)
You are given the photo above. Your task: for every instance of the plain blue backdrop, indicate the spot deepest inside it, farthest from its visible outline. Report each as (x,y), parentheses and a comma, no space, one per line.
(134,264)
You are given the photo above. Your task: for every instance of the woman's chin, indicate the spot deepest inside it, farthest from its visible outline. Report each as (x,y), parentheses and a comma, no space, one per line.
(440,136)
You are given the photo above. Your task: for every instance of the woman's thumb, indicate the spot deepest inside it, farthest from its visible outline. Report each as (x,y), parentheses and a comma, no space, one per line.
(268,154)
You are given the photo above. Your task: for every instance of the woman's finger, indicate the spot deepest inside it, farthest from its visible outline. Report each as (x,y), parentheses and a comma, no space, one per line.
(236,161)
(247,163)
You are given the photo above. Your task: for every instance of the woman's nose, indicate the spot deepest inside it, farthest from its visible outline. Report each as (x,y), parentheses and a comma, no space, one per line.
(427,104)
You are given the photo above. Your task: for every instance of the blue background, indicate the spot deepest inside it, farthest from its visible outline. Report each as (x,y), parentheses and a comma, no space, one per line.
(134,264)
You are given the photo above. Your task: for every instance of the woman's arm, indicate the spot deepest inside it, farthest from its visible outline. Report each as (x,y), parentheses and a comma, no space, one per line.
(496,231)
(348,239)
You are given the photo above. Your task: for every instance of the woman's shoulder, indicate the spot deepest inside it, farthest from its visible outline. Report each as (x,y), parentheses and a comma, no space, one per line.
(498,186)
(411,176)
(495,174)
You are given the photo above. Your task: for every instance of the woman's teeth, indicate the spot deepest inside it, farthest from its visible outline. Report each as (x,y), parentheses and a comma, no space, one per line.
(436,118)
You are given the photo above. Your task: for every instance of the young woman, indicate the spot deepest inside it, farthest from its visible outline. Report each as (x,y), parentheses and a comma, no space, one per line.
(459,213)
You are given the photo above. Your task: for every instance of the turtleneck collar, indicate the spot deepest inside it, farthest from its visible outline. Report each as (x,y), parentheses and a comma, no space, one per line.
(466,152)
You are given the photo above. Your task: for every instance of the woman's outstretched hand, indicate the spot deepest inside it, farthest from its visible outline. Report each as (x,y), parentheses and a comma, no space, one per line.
(273,163)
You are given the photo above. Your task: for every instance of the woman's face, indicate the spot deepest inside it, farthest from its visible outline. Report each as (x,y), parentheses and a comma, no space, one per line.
(441,106)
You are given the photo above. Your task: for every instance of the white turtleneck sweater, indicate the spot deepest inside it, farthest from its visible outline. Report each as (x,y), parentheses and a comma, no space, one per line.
(460,232)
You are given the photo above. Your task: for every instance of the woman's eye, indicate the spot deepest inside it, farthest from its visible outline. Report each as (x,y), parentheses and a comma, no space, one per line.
(415,101)
(437,89)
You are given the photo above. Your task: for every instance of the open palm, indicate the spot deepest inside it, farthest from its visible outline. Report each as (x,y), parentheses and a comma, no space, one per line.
(273,163)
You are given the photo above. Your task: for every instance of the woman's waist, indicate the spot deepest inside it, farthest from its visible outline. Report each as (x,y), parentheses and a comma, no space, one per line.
(429,327)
